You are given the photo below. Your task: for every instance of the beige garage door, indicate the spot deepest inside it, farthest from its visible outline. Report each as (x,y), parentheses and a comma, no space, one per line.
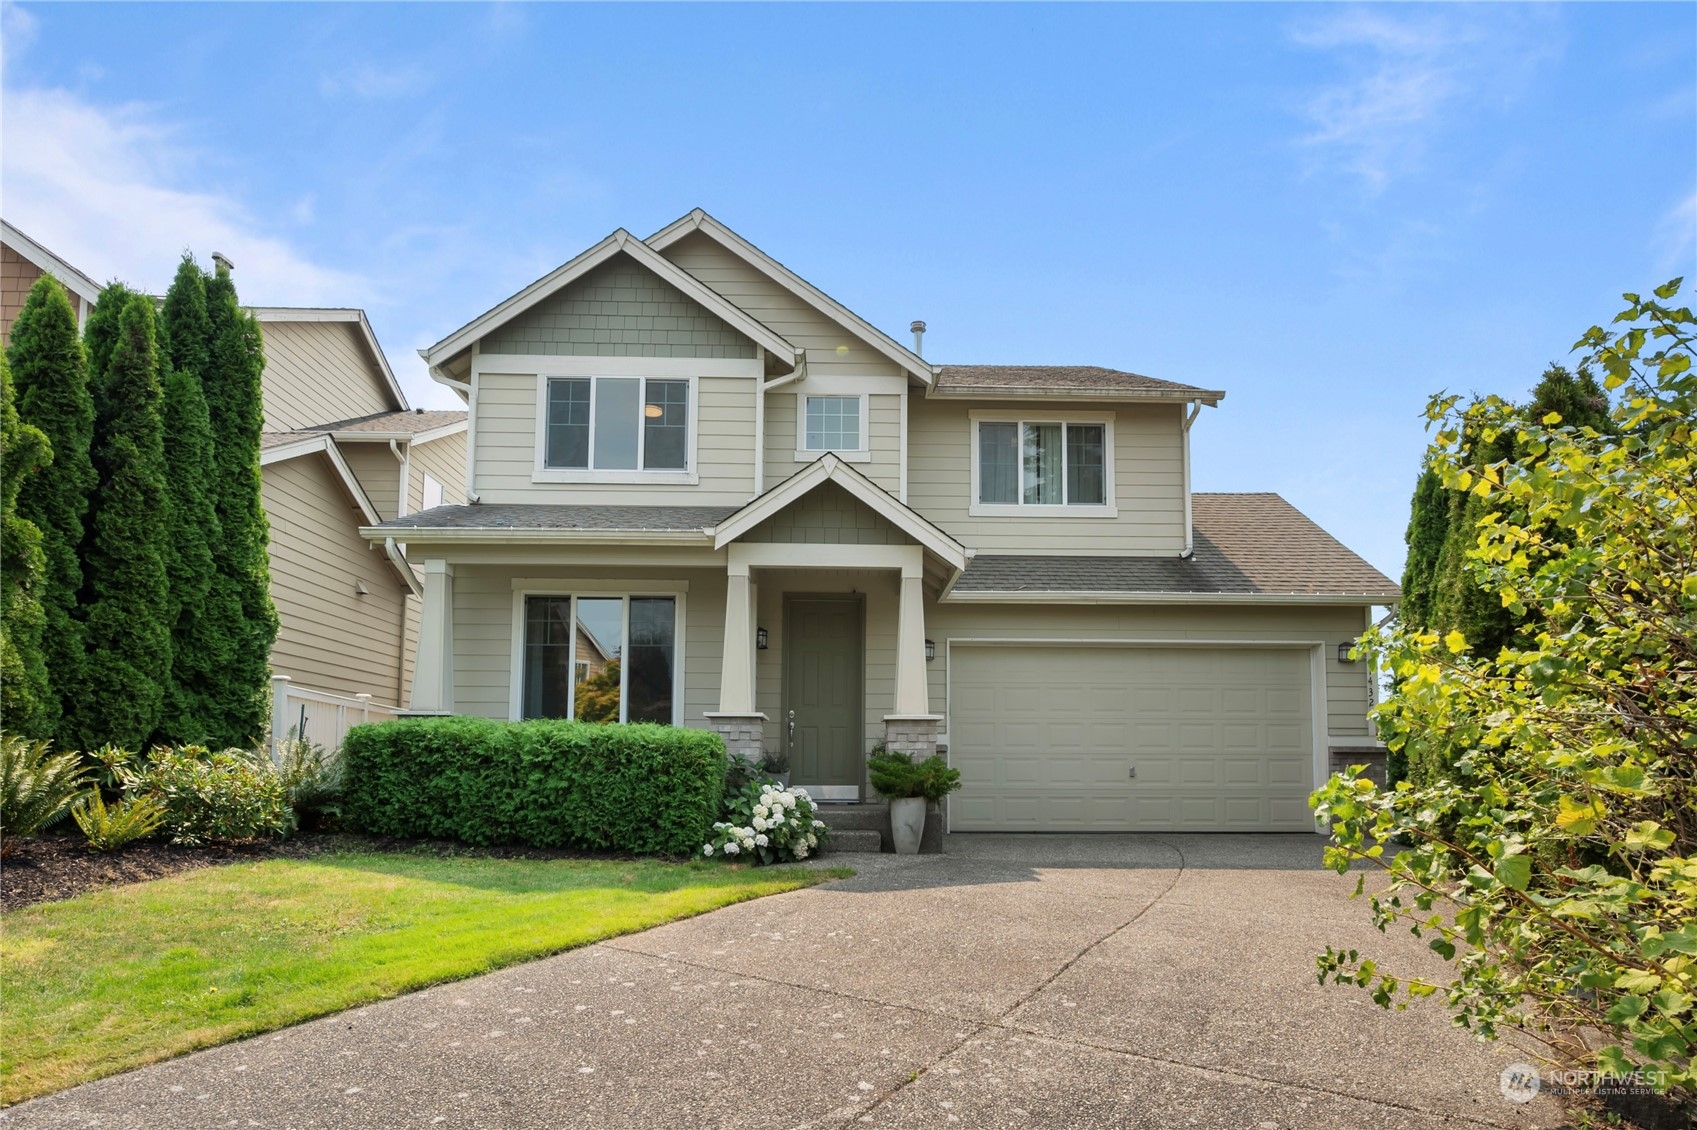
(1047,737)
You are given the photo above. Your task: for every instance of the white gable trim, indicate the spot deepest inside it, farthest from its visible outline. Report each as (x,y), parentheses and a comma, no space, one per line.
(323,443)
(341,314)
(564,275)
(698,220)
(830,468)
(74,280)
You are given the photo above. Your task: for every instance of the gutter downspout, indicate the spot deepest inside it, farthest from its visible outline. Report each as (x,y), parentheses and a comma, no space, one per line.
(796,374)
(1189,527)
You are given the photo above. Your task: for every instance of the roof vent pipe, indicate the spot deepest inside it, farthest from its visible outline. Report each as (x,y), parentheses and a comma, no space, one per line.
(918,329)
(219,259)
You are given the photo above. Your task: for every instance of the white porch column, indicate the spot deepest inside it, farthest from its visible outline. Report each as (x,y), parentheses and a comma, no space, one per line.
(912,694)
(433,672)
(736,673)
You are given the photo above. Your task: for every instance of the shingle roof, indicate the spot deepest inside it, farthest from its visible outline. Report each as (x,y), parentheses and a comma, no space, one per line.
(410,423)
(1245,544)
(612,519)
(268,440)
(1070,379)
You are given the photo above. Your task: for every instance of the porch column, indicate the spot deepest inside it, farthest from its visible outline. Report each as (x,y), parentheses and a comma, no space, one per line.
(736,720)
(433,672)
(912,728)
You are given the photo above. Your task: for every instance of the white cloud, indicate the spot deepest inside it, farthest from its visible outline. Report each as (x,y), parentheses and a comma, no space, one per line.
(95,185)
(1405,76)
(17,30)
(1676,237)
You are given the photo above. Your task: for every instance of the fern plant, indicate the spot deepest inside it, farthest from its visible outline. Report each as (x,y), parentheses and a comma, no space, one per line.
(37,788)
(109,829)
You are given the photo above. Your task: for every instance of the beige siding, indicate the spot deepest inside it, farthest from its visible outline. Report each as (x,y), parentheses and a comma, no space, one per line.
(506,448)
(483,631)
(780,438)
(1148,484)
(1346,683)
(828,515)
(444,460)
(330,637)
(885,441)
(319,373)
(785,454)
(378,471)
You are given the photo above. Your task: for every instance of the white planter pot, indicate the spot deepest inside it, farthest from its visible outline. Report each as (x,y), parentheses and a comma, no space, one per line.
(907,823)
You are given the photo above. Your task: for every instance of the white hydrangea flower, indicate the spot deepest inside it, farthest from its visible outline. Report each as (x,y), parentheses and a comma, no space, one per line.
(759,824)
(812,840)
(731,849)
(746,833)
(762,809)
(787,800)
(706,849)
(761,841)
(801,851)
(819,823)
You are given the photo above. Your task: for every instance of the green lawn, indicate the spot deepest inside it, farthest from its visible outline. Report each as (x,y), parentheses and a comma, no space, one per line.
(128,976)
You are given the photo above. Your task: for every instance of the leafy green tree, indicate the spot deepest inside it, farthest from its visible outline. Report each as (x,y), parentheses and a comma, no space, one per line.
(239,611)
(128,597)
(1557,866)
(199,654)
(50,374)
(24,688)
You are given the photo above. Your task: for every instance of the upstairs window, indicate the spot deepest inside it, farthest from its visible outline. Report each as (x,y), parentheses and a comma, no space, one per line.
(834,423)
(616,424)
(1056,464)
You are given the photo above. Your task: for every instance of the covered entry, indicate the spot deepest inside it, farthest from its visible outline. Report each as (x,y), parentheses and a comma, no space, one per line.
(1116,738)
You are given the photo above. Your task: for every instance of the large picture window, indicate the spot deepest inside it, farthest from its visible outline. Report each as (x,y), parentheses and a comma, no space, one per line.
(1042,463)
(616,424)
(599,658)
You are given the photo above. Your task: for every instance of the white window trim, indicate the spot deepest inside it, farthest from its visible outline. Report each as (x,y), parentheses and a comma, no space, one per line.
(555,586)
(1108,508)
(542,473)
(805,454)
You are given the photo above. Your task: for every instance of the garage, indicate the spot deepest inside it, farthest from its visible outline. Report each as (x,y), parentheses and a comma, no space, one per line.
(1121,738)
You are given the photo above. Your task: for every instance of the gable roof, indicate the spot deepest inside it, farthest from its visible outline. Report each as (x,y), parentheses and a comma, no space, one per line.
(1249,548)
(828,468)
(74,280)
(698,220)
(621,241)
(348,314)
(417,425)
(1062,380)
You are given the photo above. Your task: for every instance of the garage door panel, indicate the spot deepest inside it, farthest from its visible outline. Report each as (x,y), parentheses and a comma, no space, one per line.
(1044,736)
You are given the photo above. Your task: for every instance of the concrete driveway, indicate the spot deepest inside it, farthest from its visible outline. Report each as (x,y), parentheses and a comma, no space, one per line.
(1015,981)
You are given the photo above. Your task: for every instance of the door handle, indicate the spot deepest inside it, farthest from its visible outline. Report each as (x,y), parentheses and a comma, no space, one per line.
(792,728)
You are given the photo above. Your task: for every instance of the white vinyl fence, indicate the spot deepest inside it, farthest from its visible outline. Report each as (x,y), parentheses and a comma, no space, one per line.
(319,716)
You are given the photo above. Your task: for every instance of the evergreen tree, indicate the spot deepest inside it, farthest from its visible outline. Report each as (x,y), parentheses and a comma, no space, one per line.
(1577,397)
(239,609)
(128,630)
(199,655)
(50,374)
(24,688)
(1428,525)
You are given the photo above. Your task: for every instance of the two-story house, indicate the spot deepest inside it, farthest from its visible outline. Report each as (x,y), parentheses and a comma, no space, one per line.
(787,526)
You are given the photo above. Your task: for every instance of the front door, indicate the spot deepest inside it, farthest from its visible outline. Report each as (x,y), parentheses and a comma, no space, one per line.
(824,709)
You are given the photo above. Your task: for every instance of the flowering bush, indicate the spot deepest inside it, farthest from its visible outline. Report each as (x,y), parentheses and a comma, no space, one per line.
(766,823)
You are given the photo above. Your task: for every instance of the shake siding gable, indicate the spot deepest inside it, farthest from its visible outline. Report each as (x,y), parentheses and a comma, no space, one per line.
(331,637)
(17,275)
(318,373)
(828,515)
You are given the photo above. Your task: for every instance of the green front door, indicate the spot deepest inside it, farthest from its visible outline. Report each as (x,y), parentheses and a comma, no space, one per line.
(823,706)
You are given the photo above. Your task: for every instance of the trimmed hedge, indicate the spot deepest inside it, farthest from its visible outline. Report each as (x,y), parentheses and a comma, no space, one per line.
(639,788)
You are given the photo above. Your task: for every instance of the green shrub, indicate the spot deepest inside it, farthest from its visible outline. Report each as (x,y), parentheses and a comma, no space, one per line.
(636,787)
(109,829)
(37,788)
(767,823)
(897,776)
(313,780)
(234,796)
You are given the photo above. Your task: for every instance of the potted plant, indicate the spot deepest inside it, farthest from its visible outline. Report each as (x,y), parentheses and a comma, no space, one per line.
(776,765)
(910,786)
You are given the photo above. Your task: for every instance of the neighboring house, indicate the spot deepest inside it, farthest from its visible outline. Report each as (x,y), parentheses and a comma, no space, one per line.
(798,532)
(22,261)
(341,449)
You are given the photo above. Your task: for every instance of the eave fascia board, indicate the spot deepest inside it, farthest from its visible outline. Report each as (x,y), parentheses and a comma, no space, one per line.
(698,220)
(425,535)
(620,241)
(72,279)
(1210,397)
(350,314)
(955,596)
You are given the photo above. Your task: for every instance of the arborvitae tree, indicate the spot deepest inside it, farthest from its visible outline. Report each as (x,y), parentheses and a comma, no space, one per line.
(239,606)
(1428,524)
(199,655)
(1577,397)
(24,688)
(50,374)
(128,626)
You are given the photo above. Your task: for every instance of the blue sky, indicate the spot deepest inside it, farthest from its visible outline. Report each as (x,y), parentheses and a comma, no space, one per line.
(1330,211)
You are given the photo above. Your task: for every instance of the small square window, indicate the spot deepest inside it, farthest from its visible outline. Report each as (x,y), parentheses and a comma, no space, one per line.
(833,423)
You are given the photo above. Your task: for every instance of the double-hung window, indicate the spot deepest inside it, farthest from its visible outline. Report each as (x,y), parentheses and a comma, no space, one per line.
(615,424)
(1042,466)
(831,423)
(599,658)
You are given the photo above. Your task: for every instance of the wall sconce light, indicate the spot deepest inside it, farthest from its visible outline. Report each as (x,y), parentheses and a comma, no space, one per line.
(1343,652)
(930,651)
(760,639)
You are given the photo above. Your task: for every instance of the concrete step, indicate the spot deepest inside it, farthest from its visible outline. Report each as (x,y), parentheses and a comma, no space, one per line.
(855,817)
(854,840)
